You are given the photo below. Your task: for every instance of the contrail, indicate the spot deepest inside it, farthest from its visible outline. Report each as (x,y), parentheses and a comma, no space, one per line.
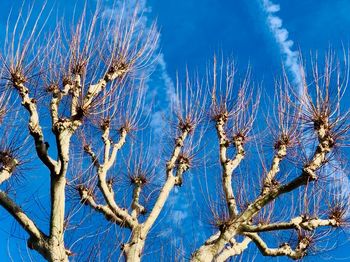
(165,86)
(291,58)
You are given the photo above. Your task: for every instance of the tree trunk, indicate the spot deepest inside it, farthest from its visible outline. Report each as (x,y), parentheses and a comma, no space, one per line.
(49,249)
(57,251)
(211,249)
(205,253)
(133,249)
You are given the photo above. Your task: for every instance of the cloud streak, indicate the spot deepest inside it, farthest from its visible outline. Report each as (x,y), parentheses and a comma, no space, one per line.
(281,34)
(167,88)
(160,84)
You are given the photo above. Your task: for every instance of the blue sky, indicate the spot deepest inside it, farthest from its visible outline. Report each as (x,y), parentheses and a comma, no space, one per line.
(193,30)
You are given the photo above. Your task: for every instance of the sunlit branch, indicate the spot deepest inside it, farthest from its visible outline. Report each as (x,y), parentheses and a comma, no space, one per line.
(137,208)
(300,222)
(275,167)
(34,126)
(170,182)
(15,211)
(229,165)
(284,250)
(234,249)
(88,199)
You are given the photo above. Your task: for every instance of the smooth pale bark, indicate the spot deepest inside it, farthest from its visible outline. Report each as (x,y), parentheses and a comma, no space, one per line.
(4,175)
(228,165)
(275,167)
(234,250)
(299,222)
(137,208)
(27,224)
(58,184)
(50,247)
(34,126)
(215,245)
(133,249)
(285,250)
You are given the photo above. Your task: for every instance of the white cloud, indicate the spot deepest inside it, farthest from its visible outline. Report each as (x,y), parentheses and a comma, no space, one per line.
(157,123)
(270,7)
(281,34)
(167,88)
(124,9)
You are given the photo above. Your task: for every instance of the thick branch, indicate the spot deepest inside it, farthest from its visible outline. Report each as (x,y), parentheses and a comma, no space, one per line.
(34,126)
(57,96)
(115,149)
(75,91)
(229,165)
(233,250)
(170,182)
(107,190)
(18,214)
(108,195)
(275,167)
(95,89)
(137,208)
(284,250)
(88,199)
(37,240)
(118,215)
(6,171)
(300,222)
(57,187)
(325,145)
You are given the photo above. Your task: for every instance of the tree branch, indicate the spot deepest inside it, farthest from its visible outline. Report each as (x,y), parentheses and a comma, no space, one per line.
(116,147)
(326,144)
(34,126)
(91,153)
(107,190)
(57,96)
(283,250)
(170,182)
(120,215)
(88,199)
(300,222)
(137,208)
(234,250)
(18,214)
(229,165)
(75,91)
(95,89)
(275,167)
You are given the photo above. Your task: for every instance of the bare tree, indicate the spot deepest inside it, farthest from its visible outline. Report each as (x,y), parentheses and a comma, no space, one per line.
(90,78)
(308,128)
(86,69)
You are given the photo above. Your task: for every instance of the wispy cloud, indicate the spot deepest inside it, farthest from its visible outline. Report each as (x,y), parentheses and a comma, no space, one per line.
(167,88)
(281,34)
(164,87)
